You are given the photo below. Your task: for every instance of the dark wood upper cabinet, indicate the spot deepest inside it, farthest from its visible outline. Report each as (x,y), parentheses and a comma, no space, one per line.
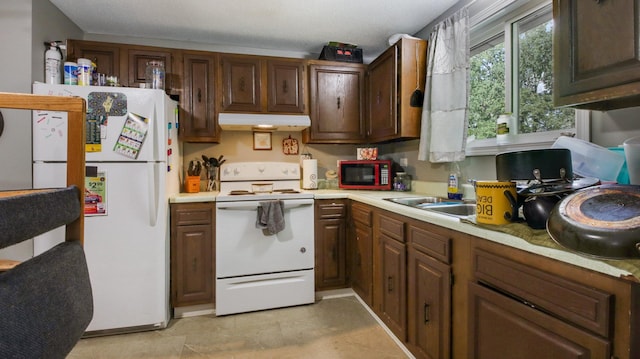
(382,95)
(285,81)
(337,96)
(392,78)
(241,83)
(198,120)
(138,57)
(596,52)
(258,84)
(106,56)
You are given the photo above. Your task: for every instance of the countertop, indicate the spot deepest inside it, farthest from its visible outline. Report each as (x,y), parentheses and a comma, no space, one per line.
(544,246)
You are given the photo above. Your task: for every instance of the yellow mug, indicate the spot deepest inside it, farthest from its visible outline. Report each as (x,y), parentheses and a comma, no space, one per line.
(492,204)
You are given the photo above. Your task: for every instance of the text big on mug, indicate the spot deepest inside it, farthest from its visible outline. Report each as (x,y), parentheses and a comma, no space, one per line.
(492,203)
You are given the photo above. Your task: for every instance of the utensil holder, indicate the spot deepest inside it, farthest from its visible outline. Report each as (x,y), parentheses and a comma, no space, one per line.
(192,184)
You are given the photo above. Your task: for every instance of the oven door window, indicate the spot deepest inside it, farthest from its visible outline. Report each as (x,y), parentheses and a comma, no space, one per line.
(358,175)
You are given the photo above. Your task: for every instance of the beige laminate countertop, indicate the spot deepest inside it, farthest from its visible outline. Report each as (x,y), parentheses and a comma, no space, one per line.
(376,199)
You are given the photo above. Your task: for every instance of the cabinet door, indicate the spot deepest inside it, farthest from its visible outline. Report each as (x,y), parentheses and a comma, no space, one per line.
(382,92)
(361,259)
(330,253)
(198,121)
(192,254)
(501,327)
(106,56)
(193,282)
(429,306)
(337,104)
(596,53)
(286,86)
(241,84)
(394,295)
(137,65)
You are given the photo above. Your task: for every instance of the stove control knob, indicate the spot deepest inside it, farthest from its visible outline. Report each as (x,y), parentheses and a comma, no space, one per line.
(303,250)
(236,171)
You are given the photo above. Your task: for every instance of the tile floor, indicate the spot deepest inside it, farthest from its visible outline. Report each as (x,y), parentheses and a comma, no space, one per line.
(331,328)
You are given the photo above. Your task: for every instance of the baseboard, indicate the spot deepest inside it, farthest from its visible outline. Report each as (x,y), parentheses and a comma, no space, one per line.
(193,310)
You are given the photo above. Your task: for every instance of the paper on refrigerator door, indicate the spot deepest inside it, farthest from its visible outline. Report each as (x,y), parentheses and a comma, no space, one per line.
(132,136)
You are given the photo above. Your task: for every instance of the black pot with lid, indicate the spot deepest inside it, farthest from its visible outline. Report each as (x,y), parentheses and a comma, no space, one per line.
(545,164)
(547,175)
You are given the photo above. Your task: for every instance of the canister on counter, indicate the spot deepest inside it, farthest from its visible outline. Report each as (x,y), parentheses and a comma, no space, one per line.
(70,73)
(402,182)
(492,203)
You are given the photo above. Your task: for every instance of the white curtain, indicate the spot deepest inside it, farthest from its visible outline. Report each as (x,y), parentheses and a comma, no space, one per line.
(443,135)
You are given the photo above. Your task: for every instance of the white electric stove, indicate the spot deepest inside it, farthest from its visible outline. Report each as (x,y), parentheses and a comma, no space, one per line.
(256,270)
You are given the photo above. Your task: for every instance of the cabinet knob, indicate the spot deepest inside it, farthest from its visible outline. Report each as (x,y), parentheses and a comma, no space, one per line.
(199,95)
(338,102)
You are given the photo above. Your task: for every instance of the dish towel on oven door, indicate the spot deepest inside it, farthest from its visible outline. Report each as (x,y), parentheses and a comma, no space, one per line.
(270,216)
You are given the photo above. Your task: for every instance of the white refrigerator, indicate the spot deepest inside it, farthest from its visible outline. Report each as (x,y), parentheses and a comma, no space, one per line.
(133,160)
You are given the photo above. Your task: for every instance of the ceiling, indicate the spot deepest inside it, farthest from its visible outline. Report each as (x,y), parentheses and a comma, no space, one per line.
(283,25)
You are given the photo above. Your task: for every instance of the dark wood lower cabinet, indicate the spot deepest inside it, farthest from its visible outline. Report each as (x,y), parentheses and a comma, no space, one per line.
(394,290)
(330,244)
(502,327)
(361,252)
(429,306)
(192,254)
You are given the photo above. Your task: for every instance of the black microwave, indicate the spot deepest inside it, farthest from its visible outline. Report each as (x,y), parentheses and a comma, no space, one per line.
(365,174)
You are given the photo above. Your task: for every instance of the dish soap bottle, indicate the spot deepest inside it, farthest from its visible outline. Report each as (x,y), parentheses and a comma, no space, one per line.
(453,187)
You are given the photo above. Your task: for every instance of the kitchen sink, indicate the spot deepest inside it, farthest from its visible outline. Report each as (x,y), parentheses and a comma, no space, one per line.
(443,205)
(458,210)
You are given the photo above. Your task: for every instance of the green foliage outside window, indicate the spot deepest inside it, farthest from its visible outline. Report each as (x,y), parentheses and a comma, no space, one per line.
(534,108)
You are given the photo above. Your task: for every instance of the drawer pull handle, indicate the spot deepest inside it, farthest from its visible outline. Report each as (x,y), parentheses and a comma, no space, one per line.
(390,284)
(426,312)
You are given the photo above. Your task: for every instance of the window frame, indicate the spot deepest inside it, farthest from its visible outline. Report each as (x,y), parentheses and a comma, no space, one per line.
(485,26)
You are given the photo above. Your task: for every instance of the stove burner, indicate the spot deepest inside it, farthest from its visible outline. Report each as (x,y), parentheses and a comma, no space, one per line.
(287,190)
(240,192)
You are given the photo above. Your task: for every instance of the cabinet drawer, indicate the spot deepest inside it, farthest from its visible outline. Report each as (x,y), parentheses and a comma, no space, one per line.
(576,303)
(361,214)
(192,213)
(431,241)
(327,209)
(391,227)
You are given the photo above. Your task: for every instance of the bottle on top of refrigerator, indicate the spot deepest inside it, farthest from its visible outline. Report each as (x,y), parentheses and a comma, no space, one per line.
(52,64)
(454,190)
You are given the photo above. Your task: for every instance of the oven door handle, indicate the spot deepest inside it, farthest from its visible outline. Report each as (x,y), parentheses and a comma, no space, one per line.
(253,205)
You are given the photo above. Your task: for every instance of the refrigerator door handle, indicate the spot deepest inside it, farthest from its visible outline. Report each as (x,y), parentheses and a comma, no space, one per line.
(154,192)
(157,156)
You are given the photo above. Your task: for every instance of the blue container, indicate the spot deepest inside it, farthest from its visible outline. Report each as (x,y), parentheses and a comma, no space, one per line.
(623,176)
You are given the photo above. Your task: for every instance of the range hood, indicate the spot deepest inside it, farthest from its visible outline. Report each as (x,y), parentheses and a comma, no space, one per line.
(253,122)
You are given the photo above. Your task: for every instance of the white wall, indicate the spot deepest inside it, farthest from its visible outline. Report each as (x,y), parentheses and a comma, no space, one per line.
(24,26)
